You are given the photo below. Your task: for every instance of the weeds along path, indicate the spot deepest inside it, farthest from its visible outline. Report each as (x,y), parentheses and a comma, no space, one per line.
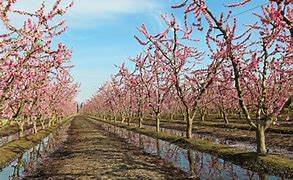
(92,153)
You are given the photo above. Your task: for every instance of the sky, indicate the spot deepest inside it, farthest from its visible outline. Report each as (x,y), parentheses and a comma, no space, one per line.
(101,33)
(104,37)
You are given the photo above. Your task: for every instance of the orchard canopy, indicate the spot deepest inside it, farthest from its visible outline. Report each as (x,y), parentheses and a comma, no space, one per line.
(244,69)
(199,63)
(35,83)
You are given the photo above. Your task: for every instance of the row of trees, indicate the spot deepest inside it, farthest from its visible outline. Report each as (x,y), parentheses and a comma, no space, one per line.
(246,71)
(35,84)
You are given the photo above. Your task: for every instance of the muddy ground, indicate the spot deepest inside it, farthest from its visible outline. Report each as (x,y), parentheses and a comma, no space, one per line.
(92,153)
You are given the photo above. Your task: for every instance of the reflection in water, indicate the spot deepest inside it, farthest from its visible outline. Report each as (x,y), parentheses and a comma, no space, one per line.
(28,161)
(20,164)
(24,162)
(197,164)
(192,163)
(158,147)
(232,143)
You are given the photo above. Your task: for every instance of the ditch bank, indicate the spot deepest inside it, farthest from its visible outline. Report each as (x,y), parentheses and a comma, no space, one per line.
(90,152)
(13,150)
(276,143)
(231,125)
(270,164)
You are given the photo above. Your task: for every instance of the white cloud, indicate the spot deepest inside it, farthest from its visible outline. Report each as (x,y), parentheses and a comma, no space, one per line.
(106,8)
(95,7)
(87,13)
(84,12)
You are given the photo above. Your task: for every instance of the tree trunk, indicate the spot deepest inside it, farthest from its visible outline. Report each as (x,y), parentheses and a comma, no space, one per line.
(158,118)
(54,121)
(189,127)
(240,115)
(140,122)
(42,123)
(21,129)
(35,127)
(260,139)
(203,113)
(122,118)
(128,121)
(50,122)
(202,117)
(224,116)
(172,116)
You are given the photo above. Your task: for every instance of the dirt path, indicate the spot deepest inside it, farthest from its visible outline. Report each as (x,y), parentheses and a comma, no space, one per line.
(92,153)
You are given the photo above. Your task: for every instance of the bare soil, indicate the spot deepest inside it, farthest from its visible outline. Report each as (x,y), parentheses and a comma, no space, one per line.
(92,153)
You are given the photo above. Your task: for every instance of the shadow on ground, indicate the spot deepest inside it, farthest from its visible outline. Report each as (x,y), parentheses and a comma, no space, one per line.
(92,153)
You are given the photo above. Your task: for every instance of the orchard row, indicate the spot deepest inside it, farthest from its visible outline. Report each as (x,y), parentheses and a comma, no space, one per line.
(242,71)
(35,85)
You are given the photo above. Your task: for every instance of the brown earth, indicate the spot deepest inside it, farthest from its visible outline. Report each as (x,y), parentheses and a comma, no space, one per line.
(92,153)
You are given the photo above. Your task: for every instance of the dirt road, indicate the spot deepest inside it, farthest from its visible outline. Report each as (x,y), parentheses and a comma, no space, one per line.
(92,153)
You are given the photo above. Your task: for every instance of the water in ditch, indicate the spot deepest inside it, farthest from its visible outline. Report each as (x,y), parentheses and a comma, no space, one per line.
(241,145)
(196,164)
(25,161)
(28,161)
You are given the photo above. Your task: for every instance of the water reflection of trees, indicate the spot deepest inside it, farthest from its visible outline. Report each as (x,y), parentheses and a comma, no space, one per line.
(27,161)
(18,167)
(197,164)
